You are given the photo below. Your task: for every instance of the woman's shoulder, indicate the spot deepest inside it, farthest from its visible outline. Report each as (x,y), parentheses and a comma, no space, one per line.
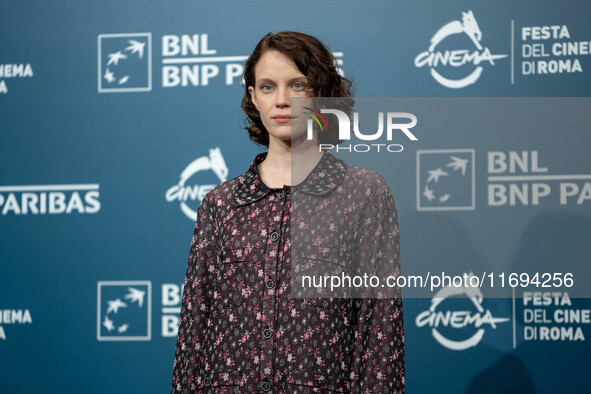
(225,192)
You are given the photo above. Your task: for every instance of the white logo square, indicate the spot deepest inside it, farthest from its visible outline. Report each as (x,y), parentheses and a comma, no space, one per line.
(445,179)
(124,310)
(124,62)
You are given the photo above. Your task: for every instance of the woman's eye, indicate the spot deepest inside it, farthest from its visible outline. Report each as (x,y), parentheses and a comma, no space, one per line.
(266,88)
(298,86)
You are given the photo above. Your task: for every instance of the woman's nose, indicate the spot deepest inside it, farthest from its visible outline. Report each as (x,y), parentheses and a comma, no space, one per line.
(283,98)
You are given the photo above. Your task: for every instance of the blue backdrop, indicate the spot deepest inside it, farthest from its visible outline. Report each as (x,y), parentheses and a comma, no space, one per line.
(108,112)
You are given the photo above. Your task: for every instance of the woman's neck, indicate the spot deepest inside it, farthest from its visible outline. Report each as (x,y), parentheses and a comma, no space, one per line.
(285,166)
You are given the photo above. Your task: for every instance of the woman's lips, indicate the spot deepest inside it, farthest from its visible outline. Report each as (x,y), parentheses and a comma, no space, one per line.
(282,118)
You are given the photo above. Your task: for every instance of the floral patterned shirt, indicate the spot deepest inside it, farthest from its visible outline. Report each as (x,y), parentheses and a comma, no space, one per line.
(240,329)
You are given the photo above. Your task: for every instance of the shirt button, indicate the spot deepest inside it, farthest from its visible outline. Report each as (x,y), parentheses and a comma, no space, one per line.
(274,236)
(207,382)
(270,283)
(280,195)
(322,382)
(267,333)
(329,254)
(265,386)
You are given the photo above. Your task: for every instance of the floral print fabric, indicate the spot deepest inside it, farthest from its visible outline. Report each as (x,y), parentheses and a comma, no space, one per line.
(241,330)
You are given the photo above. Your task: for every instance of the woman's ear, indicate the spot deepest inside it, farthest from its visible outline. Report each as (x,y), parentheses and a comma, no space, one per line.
(253,97)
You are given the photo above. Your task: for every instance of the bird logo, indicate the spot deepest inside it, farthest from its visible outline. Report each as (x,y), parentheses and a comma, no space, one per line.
(458,164)
(122,310)
(435,174)
(115,305)
(114,58)
(109,76)
(136,47)
(123,62)
(136,295)
(444,179)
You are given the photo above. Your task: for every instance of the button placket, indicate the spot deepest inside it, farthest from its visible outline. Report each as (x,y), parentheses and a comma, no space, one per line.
(268,302)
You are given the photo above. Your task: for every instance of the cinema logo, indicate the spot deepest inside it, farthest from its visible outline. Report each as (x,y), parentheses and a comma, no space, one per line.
(443,322)
(10,317)
(49,199)
(344,133)
(188,190)
(457,58)
(8,71)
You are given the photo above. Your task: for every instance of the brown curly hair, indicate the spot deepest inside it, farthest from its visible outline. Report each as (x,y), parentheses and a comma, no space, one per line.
(313,60)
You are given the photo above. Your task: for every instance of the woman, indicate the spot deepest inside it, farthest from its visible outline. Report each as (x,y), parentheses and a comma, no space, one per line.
(241,330)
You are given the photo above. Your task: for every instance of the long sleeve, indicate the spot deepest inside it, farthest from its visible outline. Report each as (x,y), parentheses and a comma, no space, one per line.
(196,303)
(378,354)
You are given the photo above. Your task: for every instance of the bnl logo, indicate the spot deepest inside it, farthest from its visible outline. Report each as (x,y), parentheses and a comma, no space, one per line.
(124,311)
(445,179)
(124,62)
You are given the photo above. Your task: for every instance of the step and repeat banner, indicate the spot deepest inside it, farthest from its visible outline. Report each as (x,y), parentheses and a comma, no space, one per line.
(116,118)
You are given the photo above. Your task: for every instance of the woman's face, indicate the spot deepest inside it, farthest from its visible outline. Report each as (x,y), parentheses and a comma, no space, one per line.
(278,80)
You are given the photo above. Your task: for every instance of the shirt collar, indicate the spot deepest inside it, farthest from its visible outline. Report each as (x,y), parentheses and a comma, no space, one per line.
(326,176)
